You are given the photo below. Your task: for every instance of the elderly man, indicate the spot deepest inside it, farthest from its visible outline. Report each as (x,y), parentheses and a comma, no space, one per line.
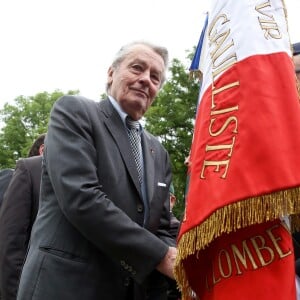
(102,227)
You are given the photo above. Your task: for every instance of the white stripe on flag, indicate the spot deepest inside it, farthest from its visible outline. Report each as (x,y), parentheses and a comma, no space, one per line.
(241,29)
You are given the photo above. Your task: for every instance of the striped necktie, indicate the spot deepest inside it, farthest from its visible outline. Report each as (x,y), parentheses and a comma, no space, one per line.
(135,142)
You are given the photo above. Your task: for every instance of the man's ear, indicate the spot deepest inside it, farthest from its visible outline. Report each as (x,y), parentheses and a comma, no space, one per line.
(110,72)
(41,149)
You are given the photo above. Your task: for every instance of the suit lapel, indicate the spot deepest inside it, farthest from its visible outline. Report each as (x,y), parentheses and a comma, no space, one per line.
(149,155)
(117,129)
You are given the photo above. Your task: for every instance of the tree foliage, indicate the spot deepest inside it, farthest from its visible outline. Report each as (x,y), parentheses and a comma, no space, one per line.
(24,120)
(171,118)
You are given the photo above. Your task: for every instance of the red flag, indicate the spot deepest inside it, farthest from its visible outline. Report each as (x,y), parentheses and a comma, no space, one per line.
(251,263)
(244,158)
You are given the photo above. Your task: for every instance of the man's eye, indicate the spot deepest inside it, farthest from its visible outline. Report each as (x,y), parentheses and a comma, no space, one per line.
(155,78)
(137,67)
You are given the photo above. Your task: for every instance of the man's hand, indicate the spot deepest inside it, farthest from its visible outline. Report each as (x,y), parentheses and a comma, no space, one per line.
(167,264)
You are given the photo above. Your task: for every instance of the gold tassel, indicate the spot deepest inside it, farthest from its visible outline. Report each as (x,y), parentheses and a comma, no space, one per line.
(253,210)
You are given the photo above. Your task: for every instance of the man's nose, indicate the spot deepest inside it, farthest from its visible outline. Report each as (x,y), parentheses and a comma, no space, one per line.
(145,78)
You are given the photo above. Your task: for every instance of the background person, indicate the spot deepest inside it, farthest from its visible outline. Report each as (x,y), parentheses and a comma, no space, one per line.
(19,210)
(37,147)
(6,174)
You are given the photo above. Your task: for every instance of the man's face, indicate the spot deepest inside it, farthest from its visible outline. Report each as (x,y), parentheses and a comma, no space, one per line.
(297,65)
(136,81)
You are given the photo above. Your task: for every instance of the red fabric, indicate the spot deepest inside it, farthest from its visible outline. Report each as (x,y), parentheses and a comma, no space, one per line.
(245,279)
(266,126)
(259,138)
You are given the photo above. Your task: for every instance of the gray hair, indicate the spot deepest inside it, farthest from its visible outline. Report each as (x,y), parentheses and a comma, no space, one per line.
(126,49)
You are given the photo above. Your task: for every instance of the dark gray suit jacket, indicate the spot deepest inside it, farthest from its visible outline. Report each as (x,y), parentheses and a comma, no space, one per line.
(18,212)
(5,177)
(88,241)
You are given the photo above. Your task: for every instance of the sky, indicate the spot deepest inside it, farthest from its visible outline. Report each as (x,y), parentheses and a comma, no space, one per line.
(69,44)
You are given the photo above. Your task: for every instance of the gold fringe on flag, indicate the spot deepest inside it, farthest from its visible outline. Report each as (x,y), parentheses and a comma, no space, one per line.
(253,210)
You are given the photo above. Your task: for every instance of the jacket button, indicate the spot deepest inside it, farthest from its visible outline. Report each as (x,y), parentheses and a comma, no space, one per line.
(126,281)
(140,208)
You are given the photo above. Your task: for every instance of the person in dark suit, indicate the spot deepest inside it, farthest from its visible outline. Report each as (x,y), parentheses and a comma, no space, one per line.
(6,174)
(102,227)
(17,215)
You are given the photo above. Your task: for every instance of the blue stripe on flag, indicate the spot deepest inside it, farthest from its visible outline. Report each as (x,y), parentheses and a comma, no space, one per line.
(196,60)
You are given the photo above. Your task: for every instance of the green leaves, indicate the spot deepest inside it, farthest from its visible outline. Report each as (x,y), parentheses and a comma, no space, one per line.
(23,121)
(171,119)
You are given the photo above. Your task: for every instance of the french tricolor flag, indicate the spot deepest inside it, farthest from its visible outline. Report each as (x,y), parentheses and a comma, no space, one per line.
(244,160)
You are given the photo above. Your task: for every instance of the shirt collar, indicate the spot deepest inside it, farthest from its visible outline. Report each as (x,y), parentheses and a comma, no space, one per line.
(121,113)
(117,107)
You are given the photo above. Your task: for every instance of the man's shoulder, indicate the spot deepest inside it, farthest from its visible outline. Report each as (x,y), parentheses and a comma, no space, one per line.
(76,99)
(30,162)
(6,172)
(36,158)
(78,104)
